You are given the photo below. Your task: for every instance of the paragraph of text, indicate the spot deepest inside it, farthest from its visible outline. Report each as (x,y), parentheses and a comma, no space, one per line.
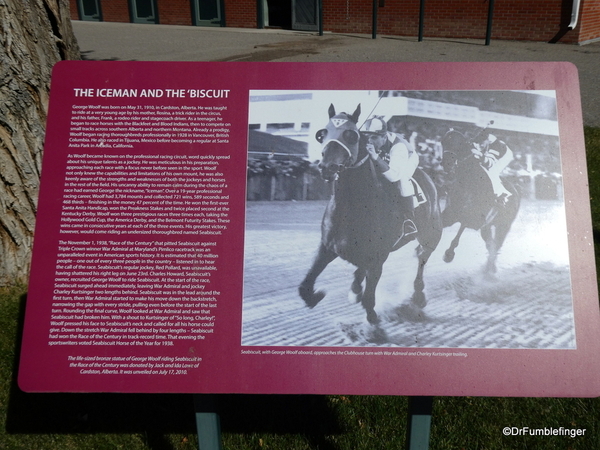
(124,126)
(133,293)
(145,194)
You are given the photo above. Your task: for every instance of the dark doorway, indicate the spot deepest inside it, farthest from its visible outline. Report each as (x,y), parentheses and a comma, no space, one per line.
(280,14)
(300,15)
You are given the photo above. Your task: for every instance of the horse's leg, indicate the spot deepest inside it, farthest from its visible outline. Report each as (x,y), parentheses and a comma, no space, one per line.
(418,298)
(356,288)
(368,297)
(307,287)
(449,254)
(429,238)
(494,239)
(488,235)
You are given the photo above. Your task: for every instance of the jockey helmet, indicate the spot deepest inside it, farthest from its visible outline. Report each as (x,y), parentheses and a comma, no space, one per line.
(374,125)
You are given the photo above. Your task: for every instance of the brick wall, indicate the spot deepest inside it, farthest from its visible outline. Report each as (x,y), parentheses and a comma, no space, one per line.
(589,28)
(241,13)
(531,20)
(539,20)
(175,12)
(73,9)
(115,10)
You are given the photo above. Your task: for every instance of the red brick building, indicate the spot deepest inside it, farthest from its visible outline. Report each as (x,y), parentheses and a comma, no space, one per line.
(540,20)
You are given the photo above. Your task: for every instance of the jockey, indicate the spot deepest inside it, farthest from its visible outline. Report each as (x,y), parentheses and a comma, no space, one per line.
(396,160)
(494,156)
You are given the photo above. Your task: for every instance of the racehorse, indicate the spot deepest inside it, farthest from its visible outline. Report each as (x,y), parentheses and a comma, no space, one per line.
(471,200)
(362,220)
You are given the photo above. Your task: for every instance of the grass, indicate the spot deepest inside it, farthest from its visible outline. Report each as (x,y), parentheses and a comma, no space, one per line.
(166,422)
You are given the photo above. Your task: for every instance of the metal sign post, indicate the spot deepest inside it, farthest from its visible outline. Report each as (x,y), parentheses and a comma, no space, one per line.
(421,19)
(488,34)
(375,6)
(207,423)
(419,423)
(320,20)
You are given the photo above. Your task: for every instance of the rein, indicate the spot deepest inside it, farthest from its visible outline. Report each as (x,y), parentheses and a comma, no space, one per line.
(357,164)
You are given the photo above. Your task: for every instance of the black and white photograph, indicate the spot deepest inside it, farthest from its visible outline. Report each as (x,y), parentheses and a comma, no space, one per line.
(413,219)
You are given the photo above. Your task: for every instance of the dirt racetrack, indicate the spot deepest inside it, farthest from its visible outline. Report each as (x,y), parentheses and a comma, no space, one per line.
(529,305)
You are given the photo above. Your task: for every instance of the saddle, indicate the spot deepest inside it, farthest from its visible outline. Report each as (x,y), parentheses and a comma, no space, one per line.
(419,197)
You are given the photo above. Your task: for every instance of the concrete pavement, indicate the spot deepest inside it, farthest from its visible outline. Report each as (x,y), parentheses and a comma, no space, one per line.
(136,42)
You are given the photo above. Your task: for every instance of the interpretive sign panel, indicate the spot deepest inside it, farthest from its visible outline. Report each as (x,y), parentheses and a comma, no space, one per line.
(180,245)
